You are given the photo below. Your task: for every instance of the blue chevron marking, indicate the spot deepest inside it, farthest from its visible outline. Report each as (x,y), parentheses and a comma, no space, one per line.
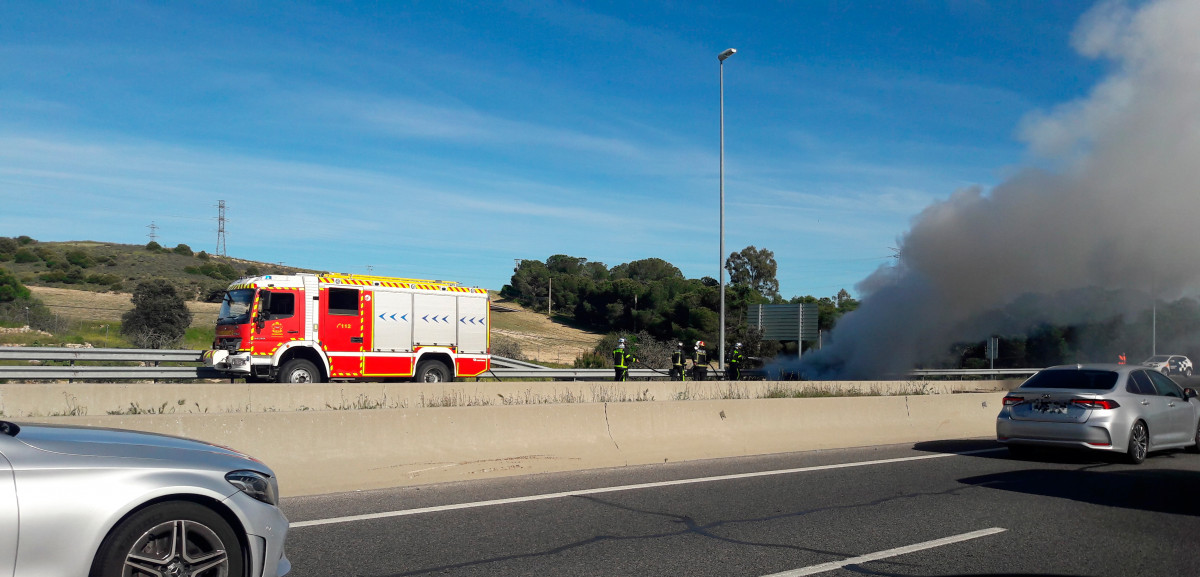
(393,316)
(426,318)
(381,316)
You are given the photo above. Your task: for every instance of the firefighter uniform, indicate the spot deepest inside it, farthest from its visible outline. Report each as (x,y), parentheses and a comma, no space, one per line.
(622,358)
(699,362)
(736,359)
(678,360)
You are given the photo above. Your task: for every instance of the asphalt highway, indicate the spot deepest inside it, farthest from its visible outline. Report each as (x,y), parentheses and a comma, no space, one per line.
(940,508)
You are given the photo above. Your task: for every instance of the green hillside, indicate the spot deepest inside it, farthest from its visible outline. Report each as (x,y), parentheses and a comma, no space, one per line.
(108,267)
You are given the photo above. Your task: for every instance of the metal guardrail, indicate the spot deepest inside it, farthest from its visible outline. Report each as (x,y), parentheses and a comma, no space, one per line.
(502,367)
(971,372)
(66,354)
(89,373)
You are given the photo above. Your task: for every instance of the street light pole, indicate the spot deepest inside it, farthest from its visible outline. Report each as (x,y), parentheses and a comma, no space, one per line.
(721,64)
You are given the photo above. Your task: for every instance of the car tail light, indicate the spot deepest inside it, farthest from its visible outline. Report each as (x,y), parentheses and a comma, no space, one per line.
(1096,403)
(1011,400)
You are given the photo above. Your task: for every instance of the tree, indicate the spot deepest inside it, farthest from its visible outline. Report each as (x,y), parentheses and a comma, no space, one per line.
(10,288)
(647,270)
(755,268)
(159,318)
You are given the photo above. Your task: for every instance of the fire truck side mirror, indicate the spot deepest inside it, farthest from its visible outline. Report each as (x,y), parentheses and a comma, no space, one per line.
(264,309)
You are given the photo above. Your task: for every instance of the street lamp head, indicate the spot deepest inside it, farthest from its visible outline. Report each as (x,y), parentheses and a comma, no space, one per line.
(726,54)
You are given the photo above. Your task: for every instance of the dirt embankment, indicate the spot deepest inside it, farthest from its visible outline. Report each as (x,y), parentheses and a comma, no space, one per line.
(541,339)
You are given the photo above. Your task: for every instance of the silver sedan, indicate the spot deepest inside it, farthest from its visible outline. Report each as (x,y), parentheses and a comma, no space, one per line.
(104,502)
(1126,409)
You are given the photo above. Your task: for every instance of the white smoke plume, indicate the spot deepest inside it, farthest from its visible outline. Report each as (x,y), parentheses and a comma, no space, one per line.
(1118,218)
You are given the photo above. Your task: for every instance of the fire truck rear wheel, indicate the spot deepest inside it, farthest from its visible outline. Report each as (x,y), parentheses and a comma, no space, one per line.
(433,372)
(299,371)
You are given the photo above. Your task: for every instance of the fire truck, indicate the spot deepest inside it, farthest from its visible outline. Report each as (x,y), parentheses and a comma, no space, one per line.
(301,328)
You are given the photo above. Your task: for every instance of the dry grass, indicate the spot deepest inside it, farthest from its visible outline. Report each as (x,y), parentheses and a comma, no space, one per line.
(108,307)
(541,339)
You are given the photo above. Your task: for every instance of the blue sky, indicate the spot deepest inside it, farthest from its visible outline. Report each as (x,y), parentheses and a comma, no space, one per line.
(443,140)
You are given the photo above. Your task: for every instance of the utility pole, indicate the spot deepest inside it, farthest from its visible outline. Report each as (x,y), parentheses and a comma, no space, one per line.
(550,299)
(153,232)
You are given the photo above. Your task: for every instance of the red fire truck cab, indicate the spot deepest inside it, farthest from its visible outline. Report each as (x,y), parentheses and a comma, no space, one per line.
(315,328)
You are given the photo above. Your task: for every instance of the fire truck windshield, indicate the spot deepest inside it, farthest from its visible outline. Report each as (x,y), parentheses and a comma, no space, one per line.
(235,307)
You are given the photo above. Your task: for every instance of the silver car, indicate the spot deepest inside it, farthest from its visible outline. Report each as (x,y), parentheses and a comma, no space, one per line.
(1118,408)
(104,502)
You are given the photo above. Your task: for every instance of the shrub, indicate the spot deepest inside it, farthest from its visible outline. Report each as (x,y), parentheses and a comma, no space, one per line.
(153,246)
(159,318)
(71,275)
(10,288)
(506,346)
(108,279)
(202,255)
(80,258)
(182,249)
(25,256)
(47,255)
(24,240)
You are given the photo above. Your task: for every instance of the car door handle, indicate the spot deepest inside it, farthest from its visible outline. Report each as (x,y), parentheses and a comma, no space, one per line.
(356,339)
(1145,402)
(292,332)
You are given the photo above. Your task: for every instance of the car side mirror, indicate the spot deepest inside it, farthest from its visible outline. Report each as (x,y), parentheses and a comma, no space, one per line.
(1189,394)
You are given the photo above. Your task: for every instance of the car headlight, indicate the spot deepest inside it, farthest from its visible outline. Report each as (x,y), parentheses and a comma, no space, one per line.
(255,484)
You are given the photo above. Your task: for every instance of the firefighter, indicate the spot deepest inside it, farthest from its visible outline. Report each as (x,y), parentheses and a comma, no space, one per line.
(1121,359)
(734,365)
(678,360)
(622,358)
(699,362)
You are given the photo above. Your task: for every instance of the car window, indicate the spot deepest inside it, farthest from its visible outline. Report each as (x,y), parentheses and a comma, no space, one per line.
(1165,386)
(1139,384)
(1087,379)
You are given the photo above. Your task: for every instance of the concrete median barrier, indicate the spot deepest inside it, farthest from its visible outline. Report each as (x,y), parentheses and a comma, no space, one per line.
(19,400)
(344,450)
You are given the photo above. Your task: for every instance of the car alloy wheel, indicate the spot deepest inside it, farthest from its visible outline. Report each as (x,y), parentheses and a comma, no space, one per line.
(1139,443)
(178,548)
(173,538)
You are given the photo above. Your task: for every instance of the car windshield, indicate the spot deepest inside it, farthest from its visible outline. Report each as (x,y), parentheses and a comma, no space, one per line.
(1157,359)
(235,307)
(1084,379)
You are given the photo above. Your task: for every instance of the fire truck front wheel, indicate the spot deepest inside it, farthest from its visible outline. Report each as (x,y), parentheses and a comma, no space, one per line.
(299,371)
(433,372)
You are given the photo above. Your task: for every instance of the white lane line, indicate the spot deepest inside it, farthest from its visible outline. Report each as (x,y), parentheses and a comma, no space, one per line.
(546,496)
(814,569)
